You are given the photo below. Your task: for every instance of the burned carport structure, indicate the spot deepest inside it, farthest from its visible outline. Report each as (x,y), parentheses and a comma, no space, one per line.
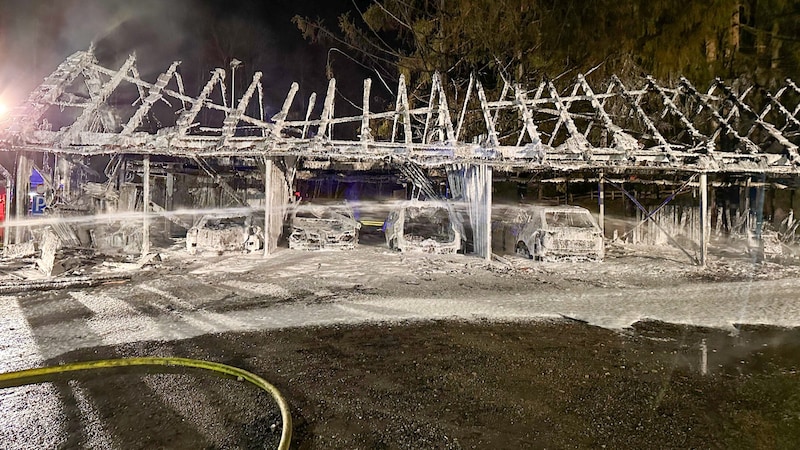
(171,154)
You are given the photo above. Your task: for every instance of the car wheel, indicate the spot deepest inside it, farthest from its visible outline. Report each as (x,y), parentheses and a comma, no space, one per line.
(522,250)
(538,255)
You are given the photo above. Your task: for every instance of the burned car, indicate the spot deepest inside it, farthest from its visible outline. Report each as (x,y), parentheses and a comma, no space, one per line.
(224,234)
(319,227)
(430,227)
(560,232)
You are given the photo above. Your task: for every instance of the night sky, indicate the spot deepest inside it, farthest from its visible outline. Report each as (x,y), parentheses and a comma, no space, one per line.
(36,35)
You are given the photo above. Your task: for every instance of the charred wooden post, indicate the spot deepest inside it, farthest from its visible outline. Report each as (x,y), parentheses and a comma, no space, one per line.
(487,212)
(464,107)
(22,198)
(366,132)
(327,112)
(601,194)
(312,101)
(492,141)
(267,204)
(280,118)
(146,206)
(168,198)
(402,111)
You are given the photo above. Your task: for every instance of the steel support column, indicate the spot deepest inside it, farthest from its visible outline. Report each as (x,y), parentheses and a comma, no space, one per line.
(704,219)
(759,211)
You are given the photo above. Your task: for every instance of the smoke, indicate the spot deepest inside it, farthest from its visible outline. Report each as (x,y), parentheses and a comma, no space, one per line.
(37,35)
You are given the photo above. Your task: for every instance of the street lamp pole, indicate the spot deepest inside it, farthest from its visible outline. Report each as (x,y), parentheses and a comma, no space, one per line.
(234,64)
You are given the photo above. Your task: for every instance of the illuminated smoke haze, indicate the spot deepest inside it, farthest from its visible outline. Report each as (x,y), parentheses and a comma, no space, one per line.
(37,35)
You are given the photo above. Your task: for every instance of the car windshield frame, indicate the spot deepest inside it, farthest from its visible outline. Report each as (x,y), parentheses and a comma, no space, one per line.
(568,219)
(430,221)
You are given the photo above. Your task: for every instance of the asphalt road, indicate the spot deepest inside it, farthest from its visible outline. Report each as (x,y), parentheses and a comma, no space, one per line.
(190,297)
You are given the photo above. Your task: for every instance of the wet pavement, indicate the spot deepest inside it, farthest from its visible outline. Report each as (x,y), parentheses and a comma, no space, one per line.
(294,290)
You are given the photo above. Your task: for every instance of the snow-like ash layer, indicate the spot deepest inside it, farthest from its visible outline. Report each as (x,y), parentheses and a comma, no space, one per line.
(184,296)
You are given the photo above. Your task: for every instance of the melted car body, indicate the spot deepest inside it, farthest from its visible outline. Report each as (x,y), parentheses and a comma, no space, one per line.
(429,227)
(223,234)
(318,227)
(560,232)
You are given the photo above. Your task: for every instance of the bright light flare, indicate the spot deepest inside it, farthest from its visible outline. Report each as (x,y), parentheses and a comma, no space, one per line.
(3,110)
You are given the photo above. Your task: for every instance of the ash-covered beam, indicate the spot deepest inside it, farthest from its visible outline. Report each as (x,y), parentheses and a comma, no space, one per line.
(83,121)
(230,122)
(153,96)
(185,121)
(774,102)
(635,104)
(280,118)
(621,139)
(527,116)
(464,107)
(366,132)
(445,122)
(94,84)
(487,117)
(579,140)
(669,105)
(565,104)
(797,90)
(402,111)
(312,101)
(327,110)
(750,146)
(27,117)
(790,147)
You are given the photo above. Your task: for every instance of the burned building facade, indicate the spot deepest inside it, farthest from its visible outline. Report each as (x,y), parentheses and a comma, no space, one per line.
(128,179)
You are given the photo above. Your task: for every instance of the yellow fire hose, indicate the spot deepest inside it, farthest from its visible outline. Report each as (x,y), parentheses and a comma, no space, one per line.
(18,378)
